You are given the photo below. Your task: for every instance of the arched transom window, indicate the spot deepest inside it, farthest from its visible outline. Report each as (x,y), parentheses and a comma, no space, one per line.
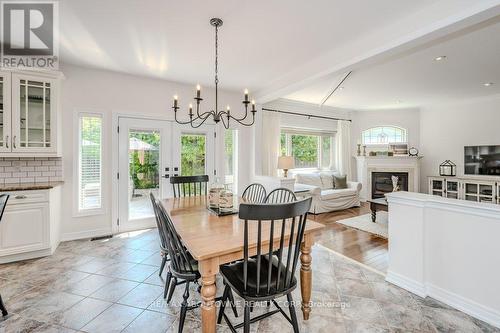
(384,135)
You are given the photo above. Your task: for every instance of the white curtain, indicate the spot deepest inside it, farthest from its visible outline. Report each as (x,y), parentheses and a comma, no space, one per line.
(270,143)
(343,148)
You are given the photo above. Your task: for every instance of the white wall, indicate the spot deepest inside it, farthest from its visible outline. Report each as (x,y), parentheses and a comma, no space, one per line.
(109,92)
(446,129)
(406,118)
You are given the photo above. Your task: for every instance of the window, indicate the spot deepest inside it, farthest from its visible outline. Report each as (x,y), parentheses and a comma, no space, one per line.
(193,148)
(310,149)
(384,135)
(231,159)
(89,162)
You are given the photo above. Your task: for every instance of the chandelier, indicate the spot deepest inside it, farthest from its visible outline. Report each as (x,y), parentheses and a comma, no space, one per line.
(224,116)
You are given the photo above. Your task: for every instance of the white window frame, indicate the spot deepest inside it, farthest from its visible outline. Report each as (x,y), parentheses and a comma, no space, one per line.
(298,131)
(405,133)
(235,159)
(77,212)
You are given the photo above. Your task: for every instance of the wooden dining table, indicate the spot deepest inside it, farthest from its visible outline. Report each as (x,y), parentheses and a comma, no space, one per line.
(215,240)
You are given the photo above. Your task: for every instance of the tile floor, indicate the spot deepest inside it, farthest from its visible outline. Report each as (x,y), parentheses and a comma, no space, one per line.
(113,286)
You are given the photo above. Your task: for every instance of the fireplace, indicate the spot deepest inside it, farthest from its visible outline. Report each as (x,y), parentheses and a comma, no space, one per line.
(382,183)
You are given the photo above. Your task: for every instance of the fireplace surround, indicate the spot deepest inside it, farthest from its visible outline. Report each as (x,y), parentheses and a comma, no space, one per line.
(367,165)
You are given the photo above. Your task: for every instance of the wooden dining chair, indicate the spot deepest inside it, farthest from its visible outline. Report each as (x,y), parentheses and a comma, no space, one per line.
(163,241)
(184,186)
(254,193)
(3,202)
(170,284)
(265,276)
(280,195)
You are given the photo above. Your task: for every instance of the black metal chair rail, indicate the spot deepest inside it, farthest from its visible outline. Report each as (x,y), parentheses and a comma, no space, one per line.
(185,186)
(281,195)
(254,193)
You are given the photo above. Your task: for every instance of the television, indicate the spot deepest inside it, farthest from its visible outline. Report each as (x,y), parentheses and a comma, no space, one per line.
(482,160)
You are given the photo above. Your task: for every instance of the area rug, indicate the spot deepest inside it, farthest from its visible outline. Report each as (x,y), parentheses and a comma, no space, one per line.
(364,223)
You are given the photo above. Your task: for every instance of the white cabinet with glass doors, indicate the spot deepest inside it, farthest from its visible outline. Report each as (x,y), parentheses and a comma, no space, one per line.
(465,189)
(29,106)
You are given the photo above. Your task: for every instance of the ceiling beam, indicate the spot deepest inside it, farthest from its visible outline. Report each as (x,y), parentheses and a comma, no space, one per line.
(439,20)
(334,89)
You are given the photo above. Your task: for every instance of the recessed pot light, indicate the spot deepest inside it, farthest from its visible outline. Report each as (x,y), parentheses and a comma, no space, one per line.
(488,84)
(440,58)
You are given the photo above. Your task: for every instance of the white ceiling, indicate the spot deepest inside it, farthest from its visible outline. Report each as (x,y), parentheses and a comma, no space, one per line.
(415,79)
(260,41)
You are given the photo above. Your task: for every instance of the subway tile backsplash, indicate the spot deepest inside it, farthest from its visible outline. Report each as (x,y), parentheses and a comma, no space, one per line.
(16,170)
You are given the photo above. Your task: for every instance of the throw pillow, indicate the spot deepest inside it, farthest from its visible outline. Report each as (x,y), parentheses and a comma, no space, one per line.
(340,182)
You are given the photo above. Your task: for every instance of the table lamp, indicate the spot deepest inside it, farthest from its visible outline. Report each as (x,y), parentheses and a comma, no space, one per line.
(286,163)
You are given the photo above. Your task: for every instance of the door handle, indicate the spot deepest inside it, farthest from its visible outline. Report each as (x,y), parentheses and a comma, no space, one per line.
(22,196)
(14,142)
(7,141)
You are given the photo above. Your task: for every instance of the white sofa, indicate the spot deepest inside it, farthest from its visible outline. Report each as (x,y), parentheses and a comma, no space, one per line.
(325,197)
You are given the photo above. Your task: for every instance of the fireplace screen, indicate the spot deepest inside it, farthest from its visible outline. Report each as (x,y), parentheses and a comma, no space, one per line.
(382,183)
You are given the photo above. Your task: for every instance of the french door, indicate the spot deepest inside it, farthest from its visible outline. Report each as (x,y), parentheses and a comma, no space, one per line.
(150,152)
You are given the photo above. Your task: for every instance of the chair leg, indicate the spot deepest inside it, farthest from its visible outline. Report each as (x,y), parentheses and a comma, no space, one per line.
(184,307)
(2,307)
(293,315)
(167,284)
(223,301)
(173,284)
(246,320)
(163,262)
(233,304)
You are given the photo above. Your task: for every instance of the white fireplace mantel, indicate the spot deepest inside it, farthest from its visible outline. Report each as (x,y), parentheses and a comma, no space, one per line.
(368,164)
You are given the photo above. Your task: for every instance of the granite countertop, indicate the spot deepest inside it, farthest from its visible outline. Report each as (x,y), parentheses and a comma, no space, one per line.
(28,186)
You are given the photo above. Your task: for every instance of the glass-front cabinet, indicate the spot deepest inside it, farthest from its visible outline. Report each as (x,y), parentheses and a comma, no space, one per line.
(465,189)
(452,188)
(437,186)
(28,114)
(5,112)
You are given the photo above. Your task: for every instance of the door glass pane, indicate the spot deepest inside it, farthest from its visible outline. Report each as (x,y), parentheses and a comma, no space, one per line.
(193,152)
(231,159)
(144,178)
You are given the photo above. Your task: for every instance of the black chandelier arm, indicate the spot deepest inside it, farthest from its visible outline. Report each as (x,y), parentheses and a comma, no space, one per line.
(202,122)
(204,114)
(246,113)
(224,114)
(226,126)
(178,121)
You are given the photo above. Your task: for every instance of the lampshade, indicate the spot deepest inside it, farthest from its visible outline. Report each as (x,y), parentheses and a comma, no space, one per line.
(286,162)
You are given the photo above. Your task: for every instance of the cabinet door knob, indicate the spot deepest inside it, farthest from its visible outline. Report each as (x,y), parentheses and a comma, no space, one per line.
(22,196)
(7,141)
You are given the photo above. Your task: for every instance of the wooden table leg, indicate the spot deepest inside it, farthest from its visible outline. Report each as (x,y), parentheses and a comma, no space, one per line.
(306,275)
(208,269)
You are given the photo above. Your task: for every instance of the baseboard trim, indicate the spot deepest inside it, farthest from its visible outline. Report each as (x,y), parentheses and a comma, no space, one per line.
(25,256)
(479,311)
(411,285)
(85,234)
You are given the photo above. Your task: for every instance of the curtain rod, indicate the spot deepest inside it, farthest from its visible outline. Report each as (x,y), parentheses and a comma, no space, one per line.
(304,114)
